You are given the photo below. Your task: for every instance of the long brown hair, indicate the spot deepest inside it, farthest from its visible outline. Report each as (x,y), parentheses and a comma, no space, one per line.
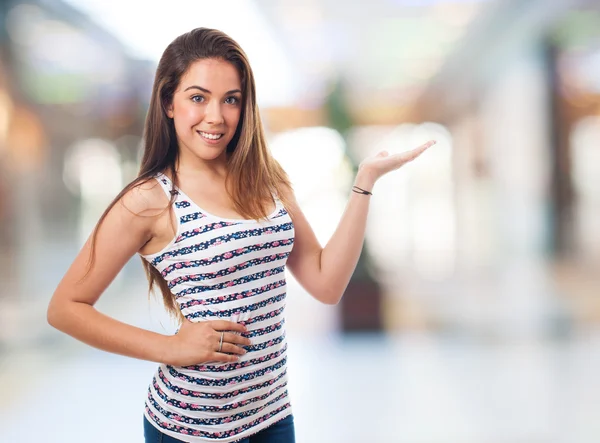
(253,175)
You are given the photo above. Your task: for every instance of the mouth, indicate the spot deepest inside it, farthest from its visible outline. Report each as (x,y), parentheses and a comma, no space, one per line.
(210,136)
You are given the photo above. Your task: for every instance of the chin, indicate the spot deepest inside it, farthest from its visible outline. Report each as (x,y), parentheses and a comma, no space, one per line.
(210,152)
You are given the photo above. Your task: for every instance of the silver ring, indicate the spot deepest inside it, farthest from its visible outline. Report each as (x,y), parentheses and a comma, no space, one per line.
(221,342)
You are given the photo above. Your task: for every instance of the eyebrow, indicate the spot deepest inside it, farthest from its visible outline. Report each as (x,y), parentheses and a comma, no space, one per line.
(208,92)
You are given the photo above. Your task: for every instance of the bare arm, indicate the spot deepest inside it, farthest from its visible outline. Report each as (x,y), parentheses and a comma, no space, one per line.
(129,225)
(71,309)
(325,272)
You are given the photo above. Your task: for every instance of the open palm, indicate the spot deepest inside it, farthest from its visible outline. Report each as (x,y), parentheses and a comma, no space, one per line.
(382,163)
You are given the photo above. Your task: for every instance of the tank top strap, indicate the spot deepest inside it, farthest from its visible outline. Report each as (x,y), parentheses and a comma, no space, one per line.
(169,188)
(165,184)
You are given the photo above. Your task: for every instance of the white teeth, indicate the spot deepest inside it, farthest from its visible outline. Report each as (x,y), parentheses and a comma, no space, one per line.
(210,136)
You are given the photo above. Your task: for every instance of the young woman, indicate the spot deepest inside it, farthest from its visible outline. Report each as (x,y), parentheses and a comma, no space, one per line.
(215,220)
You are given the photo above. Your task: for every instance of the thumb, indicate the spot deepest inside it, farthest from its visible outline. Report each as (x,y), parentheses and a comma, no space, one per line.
(186,322)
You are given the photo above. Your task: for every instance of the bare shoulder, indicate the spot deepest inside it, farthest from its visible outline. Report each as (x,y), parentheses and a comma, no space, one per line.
(140,210)
(146,199)
(148,209)
(127,226)
(289,197)
(287,192)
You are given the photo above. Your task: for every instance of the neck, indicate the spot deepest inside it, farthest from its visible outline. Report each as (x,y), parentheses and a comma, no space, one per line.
(213,169)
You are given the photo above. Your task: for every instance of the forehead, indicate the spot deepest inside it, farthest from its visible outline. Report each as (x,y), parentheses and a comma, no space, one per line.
(214,75)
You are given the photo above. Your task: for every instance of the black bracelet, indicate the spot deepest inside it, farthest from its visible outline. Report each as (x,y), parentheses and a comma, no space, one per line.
(361,191)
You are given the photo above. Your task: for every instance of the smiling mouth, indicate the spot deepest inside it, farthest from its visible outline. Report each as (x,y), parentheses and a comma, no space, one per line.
(208,136)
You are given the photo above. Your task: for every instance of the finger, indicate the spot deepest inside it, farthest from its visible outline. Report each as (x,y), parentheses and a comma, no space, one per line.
(232,349)
(419,150)
(225,358)
(414,153)
(224,325)
(236,339)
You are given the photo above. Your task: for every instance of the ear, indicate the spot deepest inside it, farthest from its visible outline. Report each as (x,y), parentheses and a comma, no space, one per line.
(169,110)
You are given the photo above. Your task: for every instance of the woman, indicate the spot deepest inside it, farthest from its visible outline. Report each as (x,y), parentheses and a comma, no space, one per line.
(215,220)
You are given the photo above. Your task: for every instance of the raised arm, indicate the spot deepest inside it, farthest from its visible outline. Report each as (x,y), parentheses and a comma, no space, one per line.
(325,272)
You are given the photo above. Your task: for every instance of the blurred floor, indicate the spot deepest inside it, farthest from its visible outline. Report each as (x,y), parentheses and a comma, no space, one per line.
(492,339)
(413,387)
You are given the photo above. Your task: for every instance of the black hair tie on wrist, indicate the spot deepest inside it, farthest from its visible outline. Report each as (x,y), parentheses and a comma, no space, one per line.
(361,191)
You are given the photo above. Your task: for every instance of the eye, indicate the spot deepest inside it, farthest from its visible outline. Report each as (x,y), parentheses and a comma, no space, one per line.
(232,100)
(197,98)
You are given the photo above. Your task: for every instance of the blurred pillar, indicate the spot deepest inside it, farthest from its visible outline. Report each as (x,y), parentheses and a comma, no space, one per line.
(561,187)
(27,145)
(515,132)
(7,243)
(473,192)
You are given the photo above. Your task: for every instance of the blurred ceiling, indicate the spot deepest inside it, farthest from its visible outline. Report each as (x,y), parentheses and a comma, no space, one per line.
(382,50)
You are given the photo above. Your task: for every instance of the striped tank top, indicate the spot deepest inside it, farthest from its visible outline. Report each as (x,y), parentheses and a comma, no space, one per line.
(225,269)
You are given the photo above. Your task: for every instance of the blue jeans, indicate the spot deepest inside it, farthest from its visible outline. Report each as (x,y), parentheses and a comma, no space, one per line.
(280,432)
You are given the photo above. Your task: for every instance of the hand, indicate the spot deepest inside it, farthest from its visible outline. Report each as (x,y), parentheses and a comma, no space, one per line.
(372,168)
(198,343)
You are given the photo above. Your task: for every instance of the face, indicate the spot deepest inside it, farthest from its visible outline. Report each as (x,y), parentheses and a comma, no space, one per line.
(206,109)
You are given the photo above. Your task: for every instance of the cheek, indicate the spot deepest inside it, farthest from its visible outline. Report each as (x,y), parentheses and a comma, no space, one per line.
(232,117)
(188,115)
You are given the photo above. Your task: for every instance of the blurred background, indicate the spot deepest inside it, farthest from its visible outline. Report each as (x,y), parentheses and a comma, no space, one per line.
(474,313)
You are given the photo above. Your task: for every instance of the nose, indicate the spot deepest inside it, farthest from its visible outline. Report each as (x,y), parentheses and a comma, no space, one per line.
(213,114)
